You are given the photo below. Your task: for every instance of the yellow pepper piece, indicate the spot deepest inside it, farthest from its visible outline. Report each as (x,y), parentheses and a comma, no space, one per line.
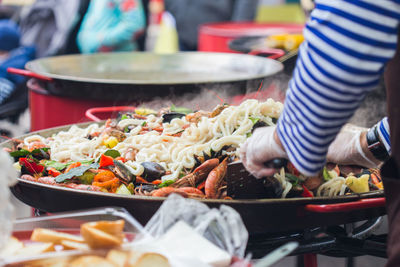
(145,111)
(111,142)
(358,185)
(276,41)
(293,41)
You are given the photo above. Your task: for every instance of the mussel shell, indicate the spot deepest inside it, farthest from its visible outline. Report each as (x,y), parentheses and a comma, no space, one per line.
(147,187)
(123,172)
(152,171)
(259,124)
(168,117)
(296,191)
(273,188)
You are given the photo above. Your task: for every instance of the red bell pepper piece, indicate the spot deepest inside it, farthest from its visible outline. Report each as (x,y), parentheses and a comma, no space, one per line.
(53,172)
(306,192)
(31,166)
(106,161)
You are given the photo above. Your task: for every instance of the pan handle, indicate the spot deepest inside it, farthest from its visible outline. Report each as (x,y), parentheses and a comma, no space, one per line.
(28,73)
(348,206)
(272,53)
(90,112)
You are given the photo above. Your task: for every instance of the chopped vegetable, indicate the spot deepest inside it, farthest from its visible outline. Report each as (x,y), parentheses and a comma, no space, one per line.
(306,192)
(124,117)
(87,177)
(254,120)
(123,190)
(358,185)
(140,180)
(131,188)
(121,159)
(73,165)
(30,165)
(53,172)
(145,111)
(183,110)
(157,182)
(292,178)
(76,172)
(111,142)
(144,123)
(55,164)
(38,153)
(106,161)
(166,183)
(112,153)
(330,174)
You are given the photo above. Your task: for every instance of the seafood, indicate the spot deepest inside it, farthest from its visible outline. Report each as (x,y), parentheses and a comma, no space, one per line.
(215,179)
(166,191)
(198,175)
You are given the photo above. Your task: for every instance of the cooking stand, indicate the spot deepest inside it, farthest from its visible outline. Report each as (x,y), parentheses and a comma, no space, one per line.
(348,240)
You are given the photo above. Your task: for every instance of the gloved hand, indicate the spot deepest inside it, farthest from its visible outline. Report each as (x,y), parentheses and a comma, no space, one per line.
(261,147)
(347,148)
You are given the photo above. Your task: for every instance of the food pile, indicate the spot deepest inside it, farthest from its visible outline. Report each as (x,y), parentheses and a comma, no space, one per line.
(93,235)
(174,150)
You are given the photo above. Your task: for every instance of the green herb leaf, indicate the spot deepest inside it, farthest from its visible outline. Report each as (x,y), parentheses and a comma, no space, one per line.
(292,178)
(112,153)
(326,174)
(248,135)
(40,150)
(75,172)
(144,123)
(19,153)
(166,183)
(183,110)
(55,164)
(254,120)
(124,117)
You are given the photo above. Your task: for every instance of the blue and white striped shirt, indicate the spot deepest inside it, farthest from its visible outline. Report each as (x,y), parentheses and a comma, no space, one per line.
(347,43)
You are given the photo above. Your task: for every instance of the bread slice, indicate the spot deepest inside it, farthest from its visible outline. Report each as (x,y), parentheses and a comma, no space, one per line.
(90,261)
(147,259)
(35,249)
(111,227)
(46,235)
(96,238)
(71,245)
(12,247)
(118,257)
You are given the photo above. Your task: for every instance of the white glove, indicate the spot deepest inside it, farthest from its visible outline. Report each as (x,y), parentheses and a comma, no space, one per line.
(346,149)
(259,148)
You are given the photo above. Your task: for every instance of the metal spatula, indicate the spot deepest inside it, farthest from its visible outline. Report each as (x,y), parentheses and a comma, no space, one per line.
(242,185)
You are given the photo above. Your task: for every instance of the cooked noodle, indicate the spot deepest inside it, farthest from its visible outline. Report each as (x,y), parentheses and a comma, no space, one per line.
(174,153)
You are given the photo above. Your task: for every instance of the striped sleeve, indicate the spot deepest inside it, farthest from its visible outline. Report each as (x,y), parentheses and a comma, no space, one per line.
(347,43)
(384,133)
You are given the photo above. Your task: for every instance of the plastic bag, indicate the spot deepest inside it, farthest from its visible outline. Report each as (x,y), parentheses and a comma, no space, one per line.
(223,227)
(8,177)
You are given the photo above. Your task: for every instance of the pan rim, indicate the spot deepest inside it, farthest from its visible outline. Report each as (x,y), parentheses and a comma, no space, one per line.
(277,67)
(51,131)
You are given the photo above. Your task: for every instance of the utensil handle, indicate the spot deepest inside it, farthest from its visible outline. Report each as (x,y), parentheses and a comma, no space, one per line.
(348,206)
(276,163)
(29,74)
(272,53)
(90,112)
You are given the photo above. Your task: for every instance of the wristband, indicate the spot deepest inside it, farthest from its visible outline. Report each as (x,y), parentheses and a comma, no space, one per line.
(375,145)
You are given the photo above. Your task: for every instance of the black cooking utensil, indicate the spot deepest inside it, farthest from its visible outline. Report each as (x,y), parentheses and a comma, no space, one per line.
(243,185)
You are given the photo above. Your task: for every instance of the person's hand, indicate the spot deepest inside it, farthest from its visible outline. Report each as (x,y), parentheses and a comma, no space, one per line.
(350,148)
(262,146)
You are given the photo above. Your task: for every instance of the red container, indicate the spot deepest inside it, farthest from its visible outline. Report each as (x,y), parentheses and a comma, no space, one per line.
(50,110)
(215,37)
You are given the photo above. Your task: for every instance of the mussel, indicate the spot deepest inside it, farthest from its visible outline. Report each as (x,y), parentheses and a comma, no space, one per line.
(122,172)
(168,117)
(258,124)
(152,171)
(273,188)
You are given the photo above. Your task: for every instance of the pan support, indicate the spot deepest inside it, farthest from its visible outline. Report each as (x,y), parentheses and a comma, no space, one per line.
(347,241)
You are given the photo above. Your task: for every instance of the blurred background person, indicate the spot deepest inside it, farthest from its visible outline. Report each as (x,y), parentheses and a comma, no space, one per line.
(111,25)
(190,14)
(11,55)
